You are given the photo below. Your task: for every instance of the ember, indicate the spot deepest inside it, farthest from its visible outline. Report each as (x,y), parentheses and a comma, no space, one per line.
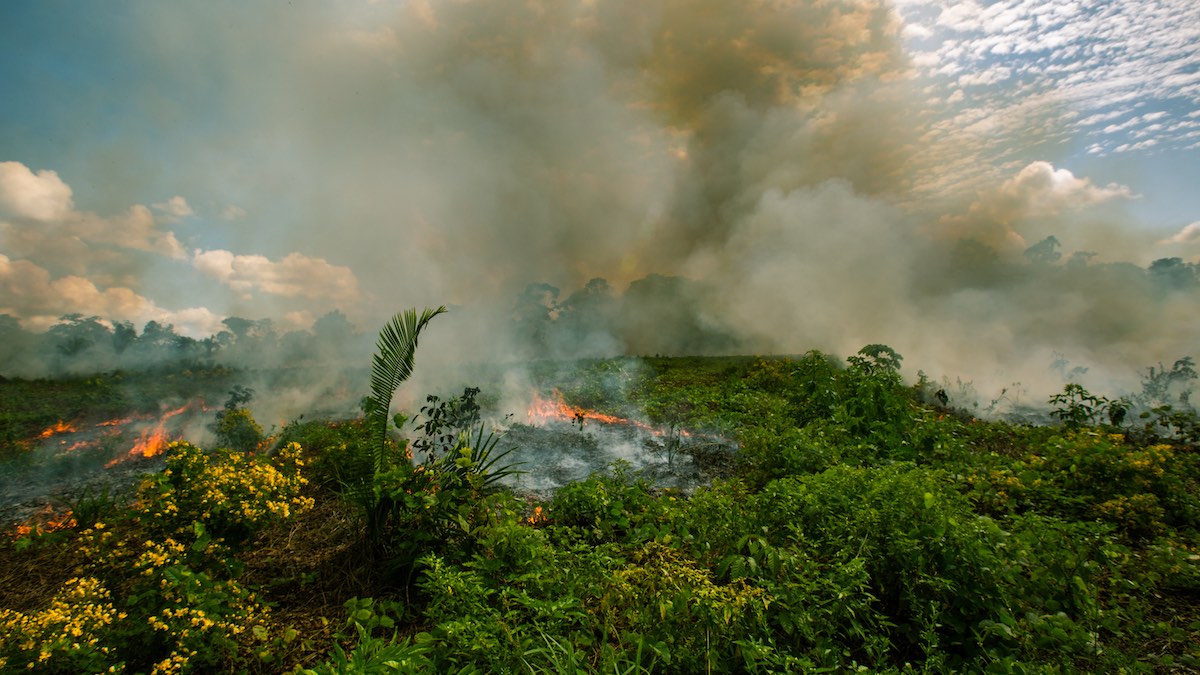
(542,410)
(155,439)
(44,521)
(59,428)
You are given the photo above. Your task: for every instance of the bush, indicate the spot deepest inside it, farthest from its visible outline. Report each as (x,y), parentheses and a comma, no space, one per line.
(919,544)
(73,635)
(230,494)
(614,507)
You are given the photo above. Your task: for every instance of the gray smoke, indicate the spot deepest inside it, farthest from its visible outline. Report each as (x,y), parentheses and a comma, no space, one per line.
(741,174)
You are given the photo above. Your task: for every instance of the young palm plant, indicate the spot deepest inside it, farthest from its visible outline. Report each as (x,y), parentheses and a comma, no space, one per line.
(390,367)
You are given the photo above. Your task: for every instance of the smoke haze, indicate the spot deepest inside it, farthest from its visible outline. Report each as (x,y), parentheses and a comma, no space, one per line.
(743,175)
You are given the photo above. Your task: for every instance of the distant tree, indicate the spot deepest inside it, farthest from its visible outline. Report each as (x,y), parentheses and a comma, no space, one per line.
(74,335)
(16,346)
(1172,273)
(296,346)
(157,337)
(1045,252)
(1080,259)
(533,317)
(253,340)
(664,315)
(239,327)
(335,339)
(585,321)
(124,335)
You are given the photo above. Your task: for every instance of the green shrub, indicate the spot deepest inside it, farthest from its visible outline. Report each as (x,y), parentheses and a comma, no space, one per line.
(375,651)
(231,494)
(440,506)
(613,507)
(1142,489)
(821,612)
(921,547)
(663,596)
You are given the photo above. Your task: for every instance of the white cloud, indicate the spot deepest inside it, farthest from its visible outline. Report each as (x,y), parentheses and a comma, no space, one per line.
(23,194)
(985,77)
(1040,188)
(45,223)
(1190,234)
(294,276)
(916,31)
(135,229)
(1089,67)
(233,212)
(960,16)
(1037,191)
(30,293)
(175,207)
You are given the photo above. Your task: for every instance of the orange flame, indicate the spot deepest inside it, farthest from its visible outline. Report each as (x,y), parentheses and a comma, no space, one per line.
(43,522)
(79,445)
(60,428)
(153,440)
(151,443)
(537,516)
(543,409)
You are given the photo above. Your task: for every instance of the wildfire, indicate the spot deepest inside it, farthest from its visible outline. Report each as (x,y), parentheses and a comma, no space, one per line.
(81,445)
(543,409)
(537,516)
(45,521)
(155,439)
(60,428)
(555,409)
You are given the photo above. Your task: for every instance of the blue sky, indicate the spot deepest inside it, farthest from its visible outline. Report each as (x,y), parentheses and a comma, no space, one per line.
(186,162)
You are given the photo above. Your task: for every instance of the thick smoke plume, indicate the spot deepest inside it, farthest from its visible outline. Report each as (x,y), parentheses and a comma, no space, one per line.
(670,176)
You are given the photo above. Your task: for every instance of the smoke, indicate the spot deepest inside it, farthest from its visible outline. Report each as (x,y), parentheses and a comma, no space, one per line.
(733,175)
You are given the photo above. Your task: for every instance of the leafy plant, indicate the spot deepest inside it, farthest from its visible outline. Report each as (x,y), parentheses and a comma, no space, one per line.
(441,504)
(235,427)
(614,507)
(372,653)
(1077,408)
(445,421)
(391,365)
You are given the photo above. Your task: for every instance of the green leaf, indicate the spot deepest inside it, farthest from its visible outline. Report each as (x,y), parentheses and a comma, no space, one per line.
(391,365)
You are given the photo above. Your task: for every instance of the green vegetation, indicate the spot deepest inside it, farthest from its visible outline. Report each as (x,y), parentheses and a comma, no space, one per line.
(862,525)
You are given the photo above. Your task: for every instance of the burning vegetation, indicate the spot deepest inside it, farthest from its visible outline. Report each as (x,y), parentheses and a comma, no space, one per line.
(599,533)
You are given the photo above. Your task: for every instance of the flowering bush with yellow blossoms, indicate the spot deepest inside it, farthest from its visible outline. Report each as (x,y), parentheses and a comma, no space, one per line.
(68,636)
(233,495)
(170,569)
(182,614)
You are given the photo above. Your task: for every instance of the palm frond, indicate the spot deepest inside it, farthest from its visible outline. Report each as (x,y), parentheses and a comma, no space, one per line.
(391,366)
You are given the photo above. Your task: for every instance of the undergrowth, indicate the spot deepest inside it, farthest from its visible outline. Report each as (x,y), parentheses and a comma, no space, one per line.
(864,525)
